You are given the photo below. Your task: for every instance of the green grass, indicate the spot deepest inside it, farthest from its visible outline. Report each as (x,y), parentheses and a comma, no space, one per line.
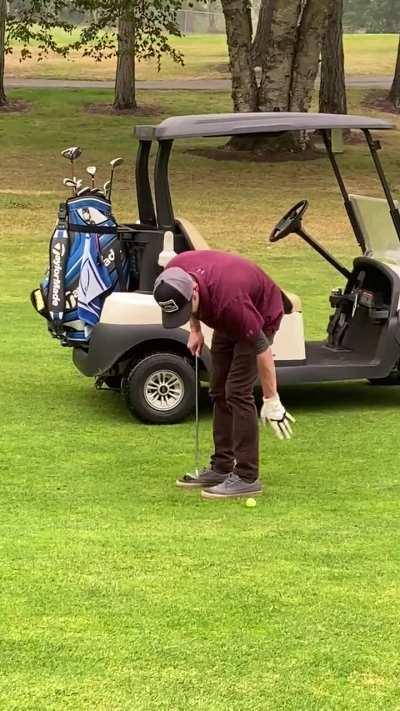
(119,591)
(205,56)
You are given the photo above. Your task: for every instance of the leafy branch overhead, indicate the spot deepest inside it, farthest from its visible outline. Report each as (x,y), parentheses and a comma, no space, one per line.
(132,30)
(152,21)
(33,21)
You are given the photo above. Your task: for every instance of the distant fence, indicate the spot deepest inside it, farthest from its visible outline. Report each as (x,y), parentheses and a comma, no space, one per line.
(197,22)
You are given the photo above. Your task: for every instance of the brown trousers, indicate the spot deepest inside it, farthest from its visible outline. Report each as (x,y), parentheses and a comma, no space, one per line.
(235,423)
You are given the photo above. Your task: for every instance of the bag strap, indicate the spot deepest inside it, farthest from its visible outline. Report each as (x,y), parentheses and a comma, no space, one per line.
(59,250)
(93,229)
(118,265)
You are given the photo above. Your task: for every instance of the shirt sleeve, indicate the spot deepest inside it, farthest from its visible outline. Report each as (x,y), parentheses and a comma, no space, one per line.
(241,320)
(262,343)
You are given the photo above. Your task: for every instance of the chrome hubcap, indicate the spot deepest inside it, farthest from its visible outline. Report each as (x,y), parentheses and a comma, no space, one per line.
(164,390)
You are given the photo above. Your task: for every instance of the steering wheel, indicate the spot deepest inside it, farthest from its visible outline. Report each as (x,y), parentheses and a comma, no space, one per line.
(290,222)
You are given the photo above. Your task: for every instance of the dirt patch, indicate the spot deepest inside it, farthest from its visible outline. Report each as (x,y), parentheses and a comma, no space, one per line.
(109,110)
(378,100)
(225,154)
(15,107)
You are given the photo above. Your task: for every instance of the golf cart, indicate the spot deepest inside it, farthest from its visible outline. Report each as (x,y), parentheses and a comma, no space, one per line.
(130,350)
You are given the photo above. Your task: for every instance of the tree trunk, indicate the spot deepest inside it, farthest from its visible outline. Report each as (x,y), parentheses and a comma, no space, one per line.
(278,56)
(125,76)
(263,32)
(189,18)
(212,26)
(394,94)
(292,31)
(307,51)
(332,92)
(238,29)
(3,18)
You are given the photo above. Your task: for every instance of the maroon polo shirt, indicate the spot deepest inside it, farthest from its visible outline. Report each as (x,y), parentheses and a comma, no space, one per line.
(236,297)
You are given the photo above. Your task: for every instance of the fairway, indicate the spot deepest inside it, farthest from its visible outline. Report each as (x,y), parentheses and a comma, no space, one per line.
(120,591)
(205,57)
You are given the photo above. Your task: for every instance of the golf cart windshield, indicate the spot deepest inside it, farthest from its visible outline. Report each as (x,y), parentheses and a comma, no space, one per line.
(380,237)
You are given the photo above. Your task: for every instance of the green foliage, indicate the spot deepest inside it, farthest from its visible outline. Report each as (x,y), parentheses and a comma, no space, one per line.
(372,15)
(34,21)
(154,21)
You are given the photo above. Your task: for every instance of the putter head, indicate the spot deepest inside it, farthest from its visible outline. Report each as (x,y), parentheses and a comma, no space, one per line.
(92,170)
(116,162)
(71,153)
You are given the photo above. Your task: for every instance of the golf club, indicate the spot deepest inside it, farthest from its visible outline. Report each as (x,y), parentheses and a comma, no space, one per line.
(72,154)
(114,164)
(70,184)
(91,169)
(84,190)
(197,452)
(106,187)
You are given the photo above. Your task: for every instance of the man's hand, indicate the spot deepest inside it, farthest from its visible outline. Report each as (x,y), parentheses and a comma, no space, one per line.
(273,411)
(195,342)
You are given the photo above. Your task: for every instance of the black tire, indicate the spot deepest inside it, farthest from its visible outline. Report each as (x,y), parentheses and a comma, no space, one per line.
(141,383)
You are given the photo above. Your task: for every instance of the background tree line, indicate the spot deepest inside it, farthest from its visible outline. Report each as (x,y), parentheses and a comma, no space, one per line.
(273,62)
(371,15)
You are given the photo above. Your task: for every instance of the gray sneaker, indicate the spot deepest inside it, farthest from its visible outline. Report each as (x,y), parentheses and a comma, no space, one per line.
(205,477)
(232,488)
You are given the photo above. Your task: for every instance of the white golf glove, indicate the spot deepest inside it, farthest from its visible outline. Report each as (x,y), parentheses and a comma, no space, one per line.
(273,411)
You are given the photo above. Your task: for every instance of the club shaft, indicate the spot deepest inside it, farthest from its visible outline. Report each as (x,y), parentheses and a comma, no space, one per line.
(111,182)
(197,452)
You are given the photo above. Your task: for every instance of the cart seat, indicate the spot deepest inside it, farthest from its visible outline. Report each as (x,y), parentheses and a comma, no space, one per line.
(191,234)
(196,241)
(373,217)
(296,301)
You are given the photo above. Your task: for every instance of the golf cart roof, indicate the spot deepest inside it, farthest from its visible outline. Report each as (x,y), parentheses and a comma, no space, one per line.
(267,122)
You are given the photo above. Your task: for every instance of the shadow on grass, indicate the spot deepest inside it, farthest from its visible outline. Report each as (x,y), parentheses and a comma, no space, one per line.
(341,396)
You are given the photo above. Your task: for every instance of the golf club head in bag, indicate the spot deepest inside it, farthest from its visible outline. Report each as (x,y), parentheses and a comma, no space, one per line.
(114,164)
(72,154)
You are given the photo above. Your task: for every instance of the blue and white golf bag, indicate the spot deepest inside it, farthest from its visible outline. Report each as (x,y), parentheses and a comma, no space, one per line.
(86,263)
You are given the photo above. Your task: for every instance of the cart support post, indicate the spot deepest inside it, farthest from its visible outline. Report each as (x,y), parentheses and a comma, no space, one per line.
(165,213)
(374,146)
(144,195)
(348,206)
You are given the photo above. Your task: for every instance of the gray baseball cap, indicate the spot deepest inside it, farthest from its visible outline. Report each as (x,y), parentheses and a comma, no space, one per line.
(173,291)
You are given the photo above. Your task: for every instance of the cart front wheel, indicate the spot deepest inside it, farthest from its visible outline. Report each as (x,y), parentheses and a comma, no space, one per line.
(160,388)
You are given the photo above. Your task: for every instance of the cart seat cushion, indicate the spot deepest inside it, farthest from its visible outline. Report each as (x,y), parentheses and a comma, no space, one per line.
(191,234)
(296,301)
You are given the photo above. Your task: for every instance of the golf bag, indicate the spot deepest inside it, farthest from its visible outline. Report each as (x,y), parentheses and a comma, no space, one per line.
(86,263)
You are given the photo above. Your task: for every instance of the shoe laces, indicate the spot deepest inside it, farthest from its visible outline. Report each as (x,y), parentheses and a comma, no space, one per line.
(231,480)
(196,475)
